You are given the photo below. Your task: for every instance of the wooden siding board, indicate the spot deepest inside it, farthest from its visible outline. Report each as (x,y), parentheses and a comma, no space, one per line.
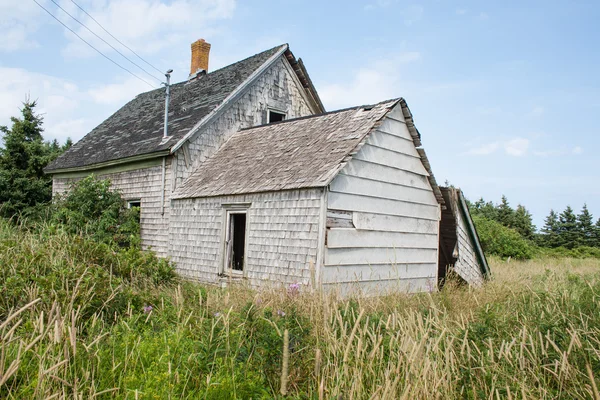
(361,186)
(381,288)
(383,173)
(391,158)
(352,202)
(352,273)
(392,223)
(351,238)
(393,142)
(371,256)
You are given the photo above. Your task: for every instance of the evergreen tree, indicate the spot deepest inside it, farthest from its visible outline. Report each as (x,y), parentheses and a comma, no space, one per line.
(585,227)
(523,222)
(485,209)
(596,240)
(505,213)
(568,234)
(22,159)
(550,230)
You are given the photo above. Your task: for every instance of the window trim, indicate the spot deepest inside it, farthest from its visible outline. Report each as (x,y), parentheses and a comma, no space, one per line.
(232,209)
(130,201)
(275,110)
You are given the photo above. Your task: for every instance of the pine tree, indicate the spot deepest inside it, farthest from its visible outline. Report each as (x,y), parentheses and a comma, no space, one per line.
(568,233)
(596,240)
(523,222)
(505,214)
(22,159)
(585,227)
(550,230)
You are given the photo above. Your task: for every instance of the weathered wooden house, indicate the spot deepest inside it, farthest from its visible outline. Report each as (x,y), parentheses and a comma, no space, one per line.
(256,182)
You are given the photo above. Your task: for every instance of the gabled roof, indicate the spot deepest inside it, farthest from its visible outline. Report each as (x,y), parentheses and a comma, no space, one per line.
(298,153)
(136,130)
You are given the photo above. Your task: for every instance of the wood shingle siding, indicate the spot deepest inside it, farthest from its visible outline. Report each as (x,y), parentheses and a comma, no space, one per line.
(394,242)
(283,231)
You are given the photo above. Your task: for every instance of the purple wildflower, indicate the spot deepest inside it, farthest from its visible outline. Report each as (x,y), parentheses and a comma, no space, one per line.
(294,289)
(147,309)
(217,314)
(281,313)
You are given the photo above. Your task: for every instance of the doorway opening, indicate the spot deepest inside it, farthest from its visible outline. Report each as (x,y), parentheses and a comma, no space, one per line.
(235,242)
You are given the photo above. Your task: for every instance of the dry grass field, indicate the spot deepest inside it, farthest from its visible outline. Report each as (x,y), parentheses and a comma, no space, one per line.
(71,327)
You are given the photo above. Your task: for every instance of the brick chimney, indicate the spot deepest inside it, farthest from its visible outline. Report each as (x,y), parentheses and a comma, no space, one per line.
(200,52)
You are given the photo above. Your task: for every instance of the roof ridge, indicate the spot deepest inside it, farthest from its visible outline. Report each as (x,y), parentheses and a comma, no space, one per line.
(397,99)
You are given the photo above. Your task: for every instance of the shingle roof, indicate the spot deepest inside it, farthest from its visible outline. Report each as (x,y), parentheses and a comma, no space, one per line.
(293,154)
(137,128)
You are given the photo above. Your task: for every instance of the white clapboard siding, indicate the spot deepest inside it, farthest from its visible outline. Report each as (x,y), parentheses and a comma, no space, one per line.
(391,142)
(383,173)
(397,114)
(394,127)
(393,159)
(370,256)
(393,223)
(351,184)
(381,288)
(352,273)
(393,241)
(351,238)
(352,202)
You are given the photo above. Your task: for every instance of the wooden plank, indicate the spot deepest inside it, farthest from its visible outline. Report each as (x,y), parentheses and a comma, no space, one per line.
(367,187)
(393,142)
(392,223)
(397,113)
(391,158)
(383,173)
(381,288)
(354,273)
(350,238)
(370,256)
(395,127)
(352,202)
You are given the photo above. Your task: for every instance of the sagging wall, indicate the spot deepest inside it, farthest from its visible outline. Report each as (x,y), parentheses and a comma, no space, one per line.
(467,264)
(382,218)
(282,236)
(144,184)
(276,88)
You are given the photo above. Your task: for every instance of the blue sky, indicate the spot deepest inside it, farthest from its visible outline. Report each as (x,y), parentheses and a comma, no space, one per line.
(503,93)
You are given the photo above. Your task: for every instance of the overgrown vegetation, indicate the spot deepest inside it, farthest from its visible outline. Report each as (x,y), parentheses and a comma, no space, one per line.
(24,154)
(508,232)
(81,320)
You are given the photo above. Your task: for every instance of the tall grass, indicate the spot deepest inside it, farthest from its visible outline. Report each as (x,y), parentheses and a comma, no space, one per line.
(79,322)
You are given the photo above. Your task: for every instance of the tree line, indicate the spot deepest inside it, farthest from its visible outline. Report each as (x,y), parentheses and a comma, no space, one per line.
(510,232)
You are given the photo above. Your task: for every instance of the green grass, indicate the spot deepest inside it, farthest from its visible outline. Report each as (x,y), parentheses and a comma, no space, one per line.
(77,323)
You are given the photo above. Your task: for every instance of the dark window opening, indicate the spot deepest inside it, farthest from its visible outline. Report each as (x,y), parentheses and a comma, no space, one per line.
(275,116)
(135,206)
(237,241)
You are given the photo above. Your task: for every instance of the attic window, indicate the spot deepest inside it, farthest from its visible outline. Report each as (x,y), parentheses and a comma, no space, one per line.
(275,116)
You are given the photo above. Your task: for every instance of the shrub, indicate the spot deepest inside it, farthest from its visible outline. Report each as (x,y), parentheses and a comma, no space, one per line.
(501,241)
(92,207)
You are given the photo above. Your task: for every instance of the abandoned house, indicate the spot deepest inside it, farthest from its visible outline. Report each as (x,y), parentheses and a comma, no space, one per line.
(252,181)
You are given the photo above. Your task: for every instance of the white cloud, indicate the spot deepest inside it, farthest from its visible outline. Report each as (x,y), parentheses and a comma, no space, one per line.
(461,11)
(118,93)
(370,84)
(484,149)
(537,111)
(559,152)
(413,14)
(58,100)
(516,147)
(17,23)
(577,150)
(483,16)
(146,26)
